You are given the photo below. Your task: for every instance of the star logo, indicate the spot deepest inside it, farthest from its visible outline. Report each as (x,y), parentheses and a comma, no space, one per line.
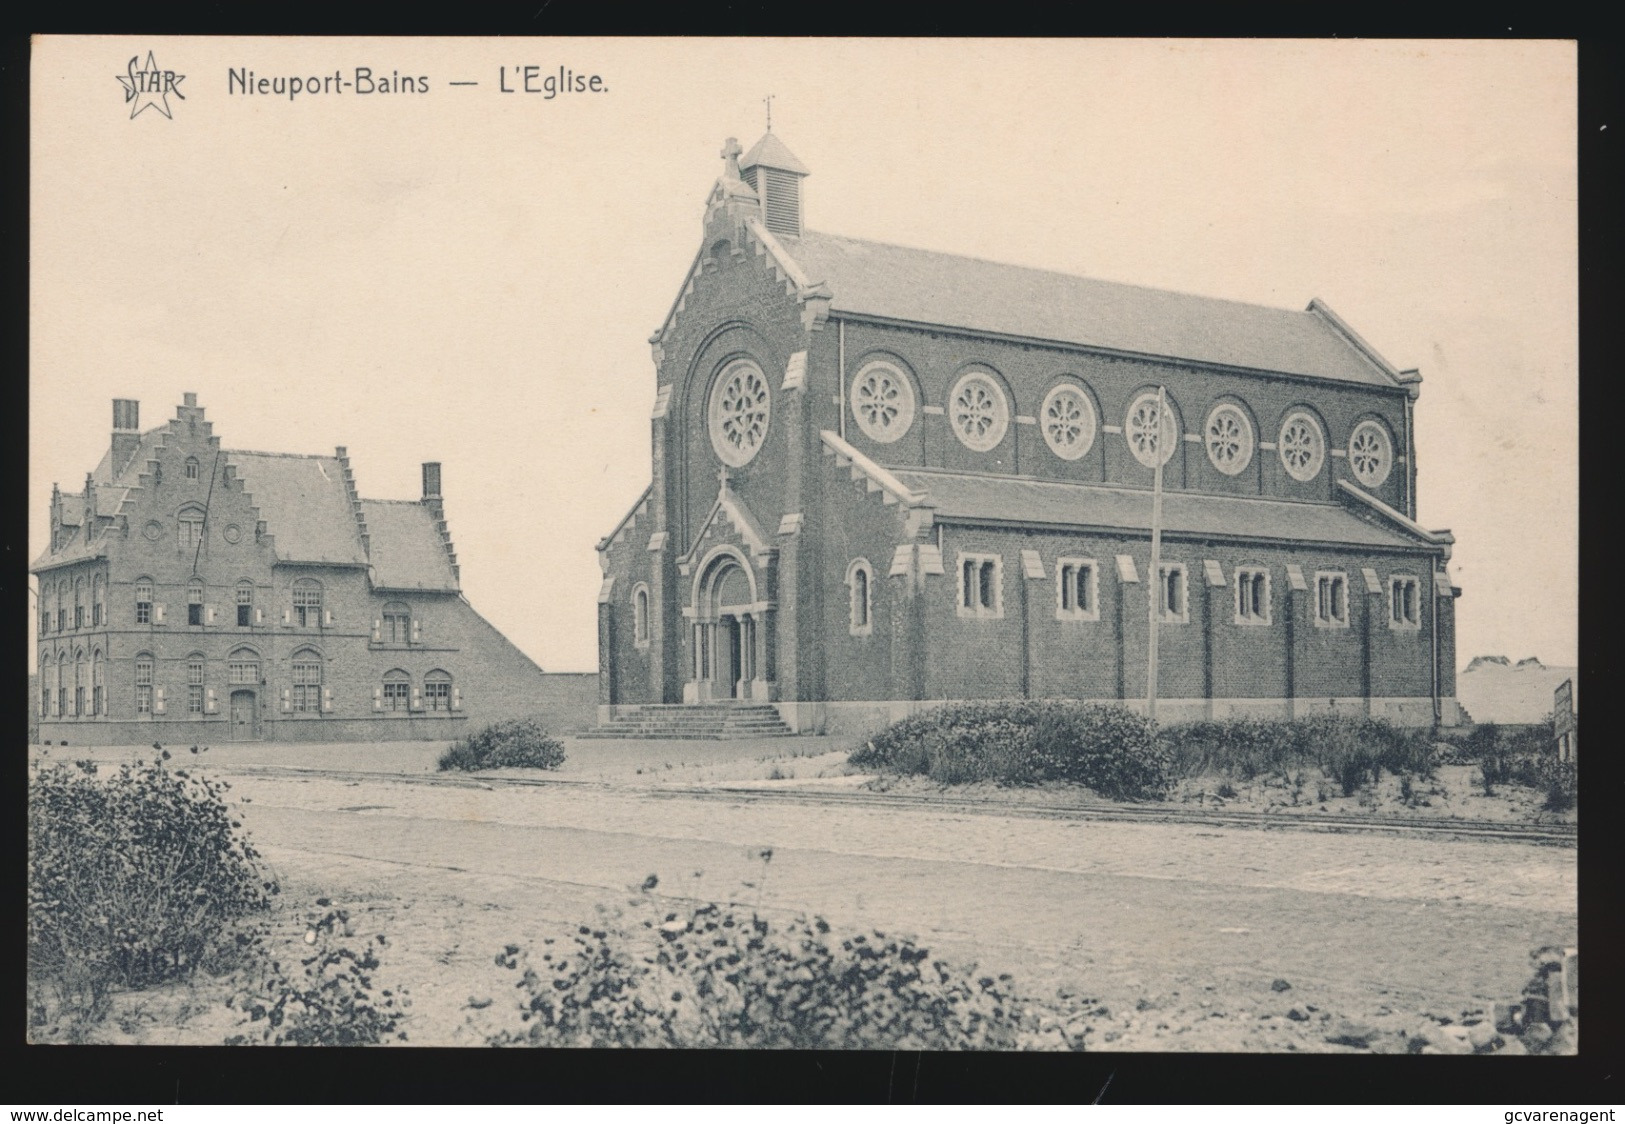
(150,86)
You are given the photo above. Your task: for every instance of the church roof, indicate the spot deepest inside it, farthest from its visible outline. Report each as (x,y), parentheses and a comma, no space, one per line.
(926,287)
(406,549)
(1015,500)
(770,152)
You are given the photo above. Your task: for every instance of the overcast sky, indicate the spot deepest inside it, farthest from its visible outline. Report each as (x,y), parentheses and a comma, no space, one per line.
(471,276)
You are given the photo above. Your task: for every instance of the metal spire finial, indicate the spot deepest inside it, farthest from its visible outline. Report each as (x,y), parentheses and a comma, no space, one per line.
(768,101)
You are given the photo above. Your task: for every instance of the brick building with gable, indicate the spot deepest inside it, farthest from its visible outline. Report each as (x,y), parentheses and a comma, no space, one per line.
(885,477)
(196,594)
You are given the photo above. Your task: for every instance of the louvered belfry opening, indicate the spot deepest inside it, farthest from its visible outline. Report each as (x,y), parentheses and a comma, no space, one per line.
(775,174)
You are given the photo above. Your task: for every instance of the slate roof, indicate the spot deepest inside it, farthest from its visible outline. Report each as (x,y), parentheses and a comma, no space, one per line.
(771,152)
(1015,500)
(922,286)
(406,549)
(304,504)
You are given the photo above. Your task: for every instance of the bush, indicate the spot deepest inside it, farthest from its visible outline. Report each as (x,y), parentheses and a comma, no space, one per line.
(520,743)
(1350,751)
(133,880)
(330,1000)
(1108,748)
(714,977)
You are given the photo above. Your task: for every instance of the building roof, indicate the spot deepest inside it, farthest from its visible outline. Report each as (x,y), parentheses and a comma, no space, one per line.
(1016,500)
(770,152)
(406,549)
(925,287)
(304,504)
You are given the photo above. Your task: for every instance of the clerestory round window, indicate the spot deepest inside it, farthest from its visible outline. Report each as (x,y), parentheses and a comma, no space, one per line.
(883,401)
(1149,441)
(1371,454)
(978,411)
(739,413)
(1229,439)
(1067,419)
(1302,446)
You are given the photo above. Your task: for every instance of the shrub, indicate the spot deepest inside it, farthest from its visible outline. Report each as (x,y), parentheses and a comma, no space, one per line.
(330,1001)
(1108,748)
(1350,751)
(1560,779)
(521,743)
(134,879)
(711,976)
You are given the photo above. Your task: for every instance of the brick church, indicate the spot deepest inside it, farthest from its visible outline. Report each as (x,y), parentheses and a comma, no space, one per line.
(884,477)
(195,594)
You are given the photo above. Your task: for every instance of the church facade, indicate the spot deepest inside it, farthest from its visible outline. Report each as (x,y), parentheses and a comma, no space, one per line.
(884,477)
(196,594)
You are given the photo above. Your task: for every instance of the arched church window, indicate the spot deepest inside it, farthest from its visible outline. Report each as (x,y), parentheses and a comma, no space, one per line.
(740,410)
(1302,446)
(1229,438)
(1371,453)
(860,582)
(978,411)
(883,401)
(640,616)
(1151,437)
(1067,419)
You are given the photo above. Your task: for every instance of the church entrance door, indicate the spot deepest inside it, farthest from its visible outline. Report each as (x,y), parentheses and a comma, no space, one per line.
(245,717)
(732,635)
(726,634)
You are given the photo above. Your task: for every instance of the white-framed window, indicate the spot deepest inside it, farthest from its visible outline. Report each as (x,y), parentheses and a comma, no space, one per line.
(1173,603)
(307,603)
(978,411)
(98,601)
(243,668)
(190,524)
(981,585)
(191,468)
(883,401)
(1371,453)
(143,601)
(45,671)
(860,579)
(307,682)
(1067,420)
(397,690)
(1302,446)
(1151,436)
(97,682)
(1252,595)
(245,603)
(194,683)
(1404,602)
(194,602)
(61,710)
(740,411)
(79,682)
(78,602)
(44,609)
(143,684)
(1077,590)
(437,690)
(640,615)
(1228,436)
(62,605)
(1331,599)
(397,623)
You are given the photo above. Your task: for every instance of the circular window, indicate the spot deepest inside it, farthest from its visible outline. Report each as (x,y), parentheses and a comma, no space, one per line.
(1150,442)
(883,402)
(739,414)
(1371,454)
(1303,448)
(978,411)
(232,533)
(1067,419)
(153,530)
(1229,437)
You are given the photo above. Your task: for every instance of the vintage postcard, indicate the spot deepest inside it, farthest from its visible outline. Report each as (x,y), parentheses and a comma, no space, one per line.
(841,544)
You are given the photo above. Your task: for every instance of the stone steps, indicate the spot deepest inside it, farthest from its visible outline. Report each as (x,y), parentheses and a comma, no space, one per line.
(701,721)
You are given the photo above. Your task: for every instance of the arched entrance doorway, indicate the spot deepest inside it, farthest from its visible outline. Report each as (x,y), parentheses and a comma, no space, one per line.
(727,655)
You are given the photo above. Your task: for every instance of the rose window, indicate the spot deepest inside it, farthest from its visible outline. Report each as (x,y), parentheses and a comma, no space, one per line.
(1303,449)
(883,402)
(1150,442)
(1067,420)
(1370,454)
(1229,439)
(978,411)
(740,409)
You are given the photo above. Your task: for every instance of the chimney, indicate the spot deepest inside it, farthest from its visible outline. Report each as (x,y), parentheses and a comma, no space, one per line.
(776,174)
(189,399)
(431,480)
(126,432)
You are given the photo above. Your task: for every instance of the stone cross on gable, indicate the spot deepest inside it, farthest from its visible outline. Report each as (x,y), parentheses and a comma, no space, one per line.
(730,157)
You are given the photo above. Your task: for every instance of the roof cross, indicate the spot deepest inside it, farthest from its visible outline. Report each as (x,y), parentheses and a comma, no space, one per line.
(730,157)
(722,479)
(768,101)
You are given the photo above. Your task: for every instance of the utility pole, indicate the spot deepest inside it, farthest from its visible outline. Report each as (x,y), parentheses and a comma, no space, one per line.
(1153,582)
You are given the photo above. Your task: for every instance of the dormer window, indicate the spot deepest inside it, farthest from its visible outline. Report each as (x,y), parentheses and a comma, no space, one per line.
(397,623)
(191,468)
(307,603)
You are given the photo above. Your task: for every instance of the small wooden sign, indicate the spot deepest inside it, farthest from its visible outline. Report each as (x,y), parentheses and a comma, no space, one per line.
(1564,726)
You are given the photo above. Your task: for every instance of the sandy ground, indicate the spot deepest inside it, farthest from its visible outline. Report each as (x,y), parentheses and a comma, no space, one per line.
(1184,937)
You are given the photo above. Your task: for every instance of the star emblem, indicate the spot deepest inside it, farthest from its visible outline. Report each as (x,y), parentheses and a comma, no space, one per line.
(150,86)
